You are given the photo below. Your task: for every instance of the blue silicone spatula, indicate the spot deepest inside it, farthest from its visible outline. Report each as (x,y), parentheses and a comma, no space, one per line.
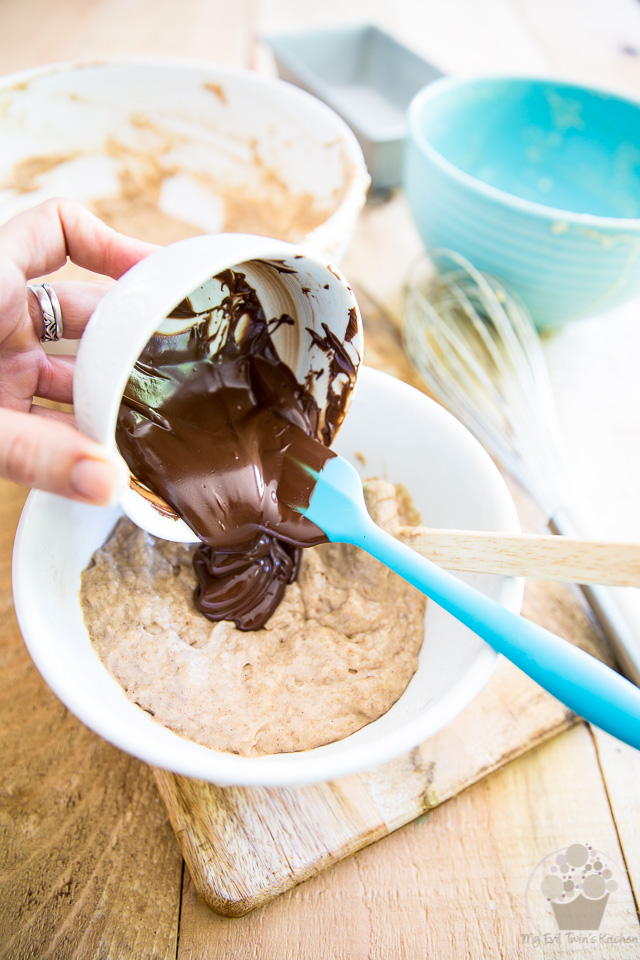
(584,684)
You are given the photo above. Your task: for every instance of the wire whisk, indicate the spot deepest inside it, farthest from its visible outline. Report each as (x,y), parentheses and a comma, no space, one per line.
(477,349)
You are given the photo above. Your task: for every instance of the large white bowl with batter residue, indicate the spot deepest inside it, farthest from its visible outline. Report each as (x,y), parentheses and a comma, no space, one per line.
(164,148)
(391,431)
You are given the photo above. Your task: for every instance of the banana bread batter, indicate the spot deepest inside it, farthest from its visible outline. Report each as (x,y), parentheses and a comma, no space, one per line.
(336,654)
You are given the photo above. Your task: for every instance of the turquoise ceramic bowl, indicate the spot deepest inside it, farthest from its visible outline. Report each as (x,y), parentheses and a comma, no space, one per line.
(534,181)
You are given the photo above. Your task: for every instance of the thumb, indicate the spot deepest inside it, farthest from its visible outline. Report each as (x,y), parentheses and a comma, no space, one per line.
(51,455)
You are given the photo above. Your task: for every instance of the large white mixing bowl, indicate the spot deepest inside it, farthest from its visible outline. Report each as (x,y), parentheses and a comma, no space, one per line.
(391,431)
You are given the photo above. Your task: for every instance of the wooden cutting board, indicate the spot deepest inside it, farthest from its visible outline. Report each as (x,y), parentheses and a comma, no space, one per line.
(245,846)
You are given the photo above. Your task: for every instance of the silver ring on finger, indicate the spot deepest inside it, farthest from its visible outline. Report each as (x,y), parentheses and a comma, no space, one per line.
(50,308)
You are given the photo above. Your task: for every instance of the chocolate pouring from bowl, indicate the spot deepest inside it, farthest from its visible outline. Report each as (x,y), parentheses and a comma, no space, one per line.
(584,684)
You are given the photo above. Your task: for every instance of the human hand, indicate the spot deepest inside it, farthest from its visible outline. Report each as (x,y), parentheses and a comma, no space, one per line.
(40,447)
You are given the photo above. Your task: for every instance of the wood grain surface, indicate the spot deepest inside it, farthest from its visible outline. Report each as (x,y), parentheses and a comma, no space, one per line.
(470,859)
(88,863)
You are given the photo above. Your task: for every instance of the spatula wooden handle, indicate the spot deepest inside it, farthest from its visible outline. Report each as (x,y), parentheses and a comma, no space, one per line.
(542,557)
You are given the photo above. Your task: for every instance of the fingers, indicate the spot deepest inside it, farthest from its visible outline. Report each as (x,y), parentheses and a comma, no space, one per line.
(55,381)
(46,453)
(77,303)
(62,415)
(40,240)
(44,450)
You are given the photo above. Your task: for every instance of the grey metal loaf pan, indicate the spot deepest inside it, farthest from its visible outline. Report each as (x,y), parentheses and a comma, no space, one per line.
(366,76)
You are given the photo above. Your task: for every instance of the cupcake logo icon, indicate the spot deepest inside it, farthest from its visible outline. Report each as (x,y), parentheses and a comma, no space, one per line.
(573,887)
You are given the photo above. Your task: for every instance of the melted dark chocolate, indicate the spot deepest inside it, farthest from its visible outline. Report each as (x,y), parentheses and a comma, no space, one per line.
(222,439)
(340,365)
(352,325)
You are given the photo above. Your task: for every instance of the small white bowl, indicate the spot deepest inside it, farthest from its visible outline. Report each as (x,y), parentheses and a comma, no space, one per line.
(402,435)
(287,281)
(209,145)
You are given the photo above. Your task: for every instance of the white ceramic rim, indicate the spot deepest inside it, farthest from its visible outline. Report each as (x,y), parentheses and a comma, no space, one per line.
(276,770)
(538,210)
